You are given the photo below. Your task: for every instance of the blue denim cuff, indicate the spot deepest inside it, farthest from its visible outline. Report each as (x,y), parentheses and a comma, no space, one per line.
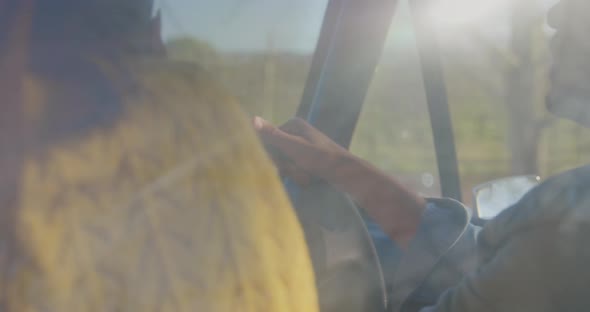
(443,224)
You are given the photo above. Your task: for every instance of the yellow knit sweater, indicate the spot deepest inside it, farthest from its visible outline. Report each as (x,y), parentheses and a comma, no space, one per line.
(175,208)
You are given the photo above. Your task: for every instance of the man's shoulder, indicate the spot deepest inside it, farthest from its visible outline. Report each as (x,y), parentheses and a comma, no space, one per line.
(559,194)
(576,176)
(560,199)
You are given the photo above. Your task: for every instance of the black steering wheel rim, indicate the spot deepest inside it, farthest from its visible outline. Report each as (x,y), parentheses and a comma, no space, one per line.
(348,272)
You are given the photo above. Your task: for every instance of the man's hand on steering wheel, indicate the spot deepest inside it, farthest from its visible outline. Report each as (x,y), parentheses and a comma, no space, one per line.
(300,151)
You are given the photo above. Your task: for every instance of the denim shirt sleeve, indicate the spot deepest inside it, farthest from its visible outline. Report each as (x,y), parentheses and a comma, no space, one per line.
(442,252)
(534,255)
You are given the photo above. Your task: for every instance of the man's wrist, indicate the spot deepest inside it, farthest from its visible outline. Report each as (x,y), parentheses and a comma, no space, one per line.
(342,168)
(396,209)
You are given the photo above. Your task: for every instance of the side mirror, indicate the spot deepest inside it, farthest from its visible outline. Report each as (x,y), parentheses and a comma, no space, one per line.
(495,196)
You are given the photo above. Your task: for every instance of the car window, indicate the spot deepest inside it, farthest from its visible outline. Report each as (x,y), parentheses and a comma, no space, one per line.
(394,131)
(497,60)
(261,50)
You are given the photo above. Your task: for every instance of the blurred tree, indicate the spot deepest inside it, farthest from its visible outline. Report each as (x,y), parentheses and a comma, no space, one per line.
(267,83)
(513,75)
(270,76)
(193,50)
(522,87)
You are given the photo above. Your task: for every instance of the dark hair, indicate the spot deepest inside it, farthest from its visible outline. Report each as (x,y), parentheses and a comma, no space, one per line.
(8,12)
(63,33)
(75,27)
(83,21)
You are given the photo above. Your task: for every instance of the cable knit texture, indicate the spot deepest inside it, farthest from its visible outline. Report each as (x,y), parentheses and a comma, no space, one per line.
(174,207)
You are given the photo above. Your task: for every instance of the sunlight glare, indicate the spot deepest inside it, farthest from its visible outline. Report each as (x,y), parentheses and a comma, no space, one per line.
(462,13)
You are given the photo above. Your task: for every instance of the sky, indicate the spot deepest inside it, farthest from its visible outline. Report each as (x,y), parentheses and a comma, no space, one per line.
(294,25)
(246,25)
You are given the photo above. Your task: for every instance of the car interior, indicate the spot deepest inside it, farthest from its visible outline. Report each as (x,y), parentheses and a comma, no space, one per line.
(421,88)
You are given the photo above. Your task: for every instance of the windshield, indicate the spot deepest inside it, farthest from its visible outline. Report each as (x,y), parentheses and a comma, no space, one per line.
(496,63)
(260,50)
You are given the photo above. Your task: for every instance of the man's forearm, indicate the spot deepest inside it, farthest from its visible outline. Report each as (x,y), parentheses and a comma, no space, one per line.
(396,209)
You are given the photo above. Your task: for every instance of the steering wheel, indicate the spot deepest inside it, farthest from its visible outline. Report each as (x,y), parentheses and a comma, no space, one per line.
(348,273)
